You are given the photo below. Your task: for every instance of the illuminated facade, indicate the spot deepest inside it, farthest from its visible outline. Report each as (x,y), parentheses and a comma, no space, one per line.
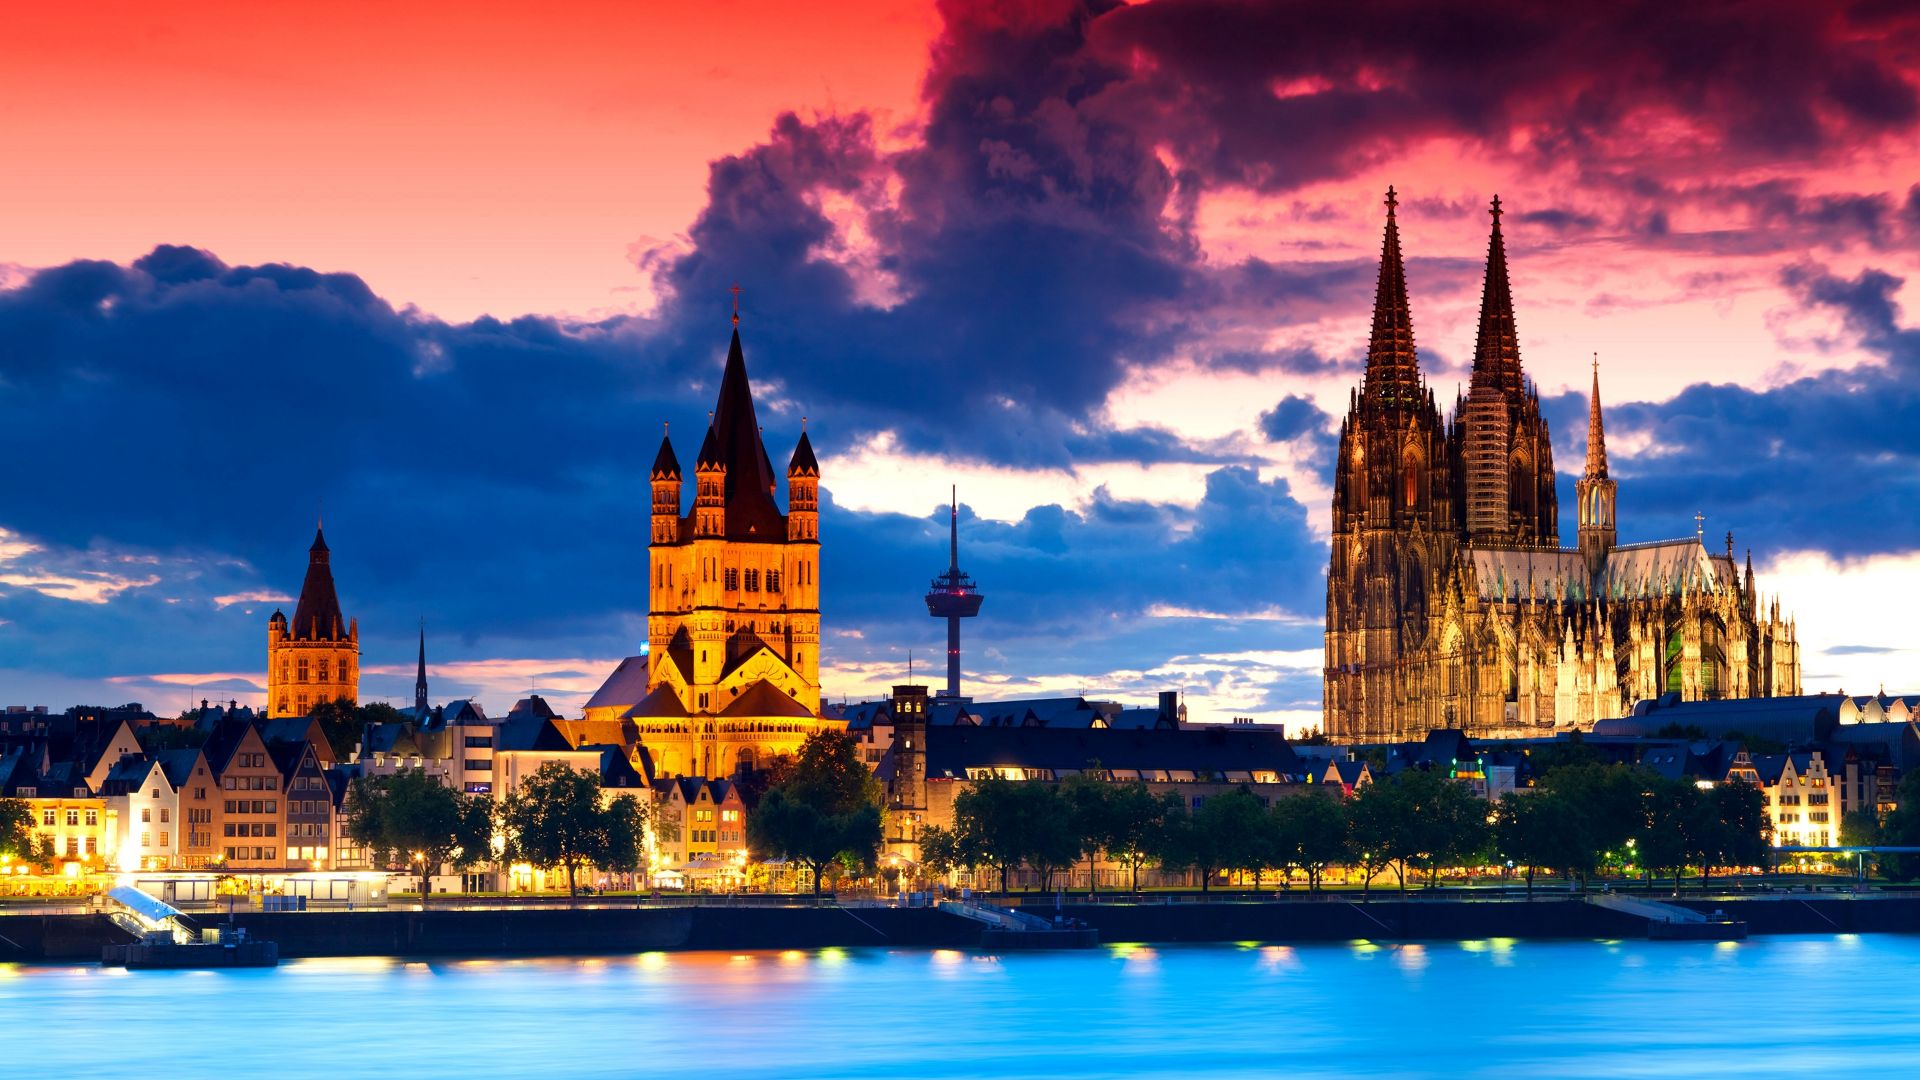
(1450,602)
(316,658)
(732,668)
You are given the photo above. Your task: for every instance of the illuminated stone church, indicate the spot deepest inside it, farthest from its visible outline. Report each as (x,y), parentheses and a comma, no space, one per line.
(1450,602)
(315,658)
(731,674)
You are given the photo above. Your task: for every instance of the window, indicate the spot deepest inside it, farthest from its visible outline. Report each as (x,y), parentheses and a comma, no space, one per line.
(93,845)
(477,765)
(479,742)
(146,839)
(146,814)
(773,581)
(46,818)
(732,578)
(165,815)
(302,668)
(753,581)
(93,816)
(73,819)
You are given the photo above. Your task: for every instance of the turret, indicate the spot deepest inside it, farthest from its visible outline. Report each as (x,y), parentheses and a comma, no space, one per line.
(1595,492)
(666,480)
(710,490)
(803,490)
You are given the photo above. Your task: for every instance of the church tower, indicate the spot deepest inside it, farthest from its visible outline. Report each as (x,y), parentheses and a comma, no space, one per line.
(732,666)
(1394,520)
(1595,492)
(316,658)
(1506,456)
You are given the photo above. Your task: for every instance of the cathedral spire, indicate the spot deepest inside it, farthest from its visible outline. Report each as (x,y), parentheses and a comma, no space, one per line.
(1393,372)
(1496,351)
(1596,430)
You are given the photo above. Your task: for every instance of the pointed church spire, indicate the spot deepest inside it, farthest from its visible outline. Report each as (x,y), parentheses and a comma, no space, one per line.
(420,678)
(316,617)
(1496,351)
(1596,431)
(1393,372)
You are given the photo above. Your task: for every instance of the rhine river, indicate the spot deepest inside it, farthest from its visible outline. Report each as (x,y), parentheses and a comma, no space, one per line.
(1840,1005)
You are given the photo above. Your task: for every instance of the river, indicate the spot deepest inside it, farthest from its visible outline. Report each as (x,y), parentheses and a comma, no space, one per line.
(1840,1005)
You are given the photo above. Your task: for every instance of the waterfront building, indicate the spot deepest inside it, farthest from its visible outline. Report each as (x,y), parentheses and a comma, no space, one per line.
(732,661)
(316,657)
(308,823)
(906,781)
(143,801)
(1451,602)
(250,815)
(702,831)
(65,812)
(197,792)
(1801,803)
(525,741)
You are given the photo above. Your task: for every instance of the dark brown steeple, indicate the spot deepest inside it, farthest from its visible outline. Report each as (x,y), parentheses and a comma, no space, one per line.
(1496,351)
(317,616)
(1393,370)
(733,443)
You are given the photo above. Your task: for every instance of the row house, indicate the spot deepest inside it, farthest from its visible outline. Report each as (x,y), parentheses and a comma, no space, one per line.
(145,804)
(1802,804)
(66,814)
(701,828)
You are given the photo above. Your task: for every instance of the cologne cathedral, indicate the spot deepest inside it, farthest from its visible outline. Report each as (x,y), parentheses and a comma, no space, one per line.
(1450,601)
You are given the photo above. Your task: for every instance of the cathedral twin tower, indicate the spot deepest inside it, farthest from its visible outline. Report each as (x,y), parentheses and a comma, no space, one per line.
(1450,602)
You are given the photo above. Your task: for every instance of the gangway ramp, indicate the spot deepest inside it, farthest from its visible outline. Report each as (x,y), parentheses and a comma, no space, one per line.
(1672,922)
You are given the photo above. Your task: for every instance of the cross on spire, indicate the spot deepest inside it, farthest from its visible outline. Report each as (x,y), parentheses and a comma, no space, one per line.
(736,302)
(1699,525)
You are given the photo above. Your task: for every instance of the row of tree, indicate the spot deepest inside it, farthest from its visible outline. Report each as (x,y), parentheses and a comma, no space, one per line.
(559,819)
(1578,819)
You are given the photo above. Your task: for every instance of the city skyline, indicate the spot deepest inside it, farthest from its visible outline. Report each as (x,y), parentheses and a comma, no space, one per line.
(1067,259)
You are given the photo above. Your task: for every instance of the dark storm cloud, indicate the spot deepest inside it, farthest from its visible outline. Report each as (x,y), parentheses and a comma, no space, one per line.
(1274,95)
(1783,467)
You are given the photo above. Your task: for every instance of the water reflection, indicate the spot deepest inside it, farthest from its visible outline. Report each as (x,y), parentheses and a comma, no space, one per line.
(1551,1009)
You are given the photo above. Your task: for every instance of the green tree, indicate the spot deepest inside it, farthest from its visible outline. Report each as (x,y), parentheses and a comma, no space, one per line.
(823,809)
(990,819)
(411,819)
(1540,829)
(1377,830)
(17,839)
(1312,833)
(1672,838)
(1602,808)
(559,818)
(1224,832)
(1051,840)
(1738,831)
(1092,801)
(1901,828)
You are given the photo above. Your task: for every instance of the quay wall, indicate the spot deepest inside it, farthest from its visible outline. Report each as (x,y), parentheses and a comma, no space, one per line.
(612,929)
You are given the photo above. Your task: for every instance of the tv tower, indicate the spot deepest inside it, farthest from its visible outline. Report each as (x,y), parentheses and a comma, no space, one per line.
(953,597)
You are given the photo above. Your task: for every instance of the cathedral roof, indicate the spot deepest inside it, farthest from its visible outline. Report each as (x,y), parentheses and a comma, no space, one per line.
(765,699)
(317,616)
(627,685)
(1393,372)
(1496,350)
(662,702)
(733,442)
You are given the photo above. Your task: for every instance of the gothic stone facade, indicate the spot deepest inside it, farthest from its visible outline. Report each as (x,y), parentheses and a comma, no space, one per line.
(732,671)
(1450,602)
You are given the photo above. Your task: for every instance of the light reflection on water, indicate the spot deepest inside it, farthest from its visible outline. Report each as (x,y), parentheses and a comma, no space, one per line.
(1490,1008)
